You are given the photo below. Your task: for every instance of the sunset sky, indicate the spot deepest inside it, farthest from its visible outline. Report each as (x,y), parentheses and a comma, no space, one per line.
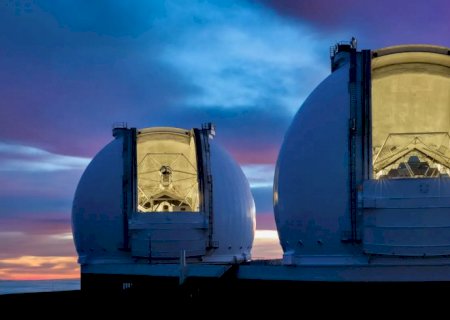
(69,69)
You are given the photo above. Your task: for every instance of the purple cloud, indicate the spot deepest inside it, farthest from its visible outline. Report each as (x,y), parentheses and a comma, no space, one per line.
(376,23)
(15,244)
(68,73)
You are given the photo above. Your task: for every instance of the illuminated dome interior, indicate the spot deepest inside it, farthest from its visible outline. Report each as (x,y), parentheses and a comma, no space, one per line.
(167,171)
(410,112)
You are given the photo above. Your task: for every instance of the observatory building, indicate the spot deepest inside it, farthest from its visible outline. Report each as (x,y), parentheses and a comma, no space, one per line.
(157,198)
(362,186)
(361,190)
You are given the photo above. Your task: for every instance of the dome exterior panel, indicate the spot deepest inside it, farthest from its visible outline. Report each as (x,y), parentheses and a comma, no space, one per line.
(97,221)
(234,207)
(311,185)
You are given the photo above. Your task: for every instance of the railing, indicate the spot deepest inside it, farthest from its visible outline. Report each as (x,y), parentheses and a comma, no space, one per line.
(120,125)
(342,44)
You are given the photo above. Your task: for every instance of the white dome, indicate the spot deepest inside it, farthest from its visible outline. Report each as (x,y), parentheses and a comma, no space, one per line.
(174,206)
(364,166)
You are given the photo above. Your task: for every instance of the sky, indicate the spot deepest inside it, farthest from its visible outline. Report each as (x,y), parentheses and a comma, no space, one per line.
(70,69)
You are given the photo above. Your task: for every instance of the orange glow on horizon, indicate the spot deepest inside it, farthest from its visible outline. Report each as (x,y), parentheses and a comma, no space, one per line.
(266,245)
(39,268)
(266,234)
(49,276)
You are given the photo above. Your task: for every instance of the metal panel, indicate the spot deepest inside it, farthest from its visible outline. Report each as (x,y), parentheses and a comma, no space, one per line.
(359,120)
(128,177)
(205,177)
(407,217)
(165,235)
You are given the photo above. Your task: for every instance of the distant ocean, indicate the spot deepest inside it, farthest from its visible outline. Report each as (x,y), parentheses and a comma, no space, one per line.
(24,286)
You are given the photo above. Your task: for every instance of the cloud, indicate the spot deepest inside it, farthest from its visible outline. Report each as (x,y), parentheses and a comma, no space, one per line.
(23,186)
(13,244)
(232,63)
(20,158)
(376,23)
(265,221)
(36,200)
(62,88)
(259,175)
(38,268)
(68,73)
(114,18)
(263,199)
(33,261)
(32,223)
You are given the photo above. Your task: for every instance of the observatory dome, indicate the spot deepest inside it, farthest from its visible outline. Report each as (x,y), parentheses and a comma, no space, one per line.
(364,167)
(154,194)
